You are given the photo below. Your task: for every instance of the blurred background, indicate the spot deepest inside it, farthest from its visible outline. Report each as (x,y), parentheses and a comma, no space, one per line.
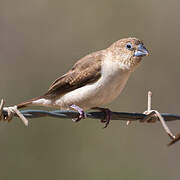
(40,40)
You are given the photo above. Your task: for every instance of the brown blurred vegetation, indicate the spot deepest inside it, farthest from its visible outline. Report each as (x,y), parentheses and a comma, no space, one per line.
(40,40)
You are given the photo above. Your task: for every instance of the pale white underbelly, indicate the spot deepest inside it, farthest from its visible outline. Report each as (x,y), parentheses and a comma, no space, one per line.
(100,93)
(104,91)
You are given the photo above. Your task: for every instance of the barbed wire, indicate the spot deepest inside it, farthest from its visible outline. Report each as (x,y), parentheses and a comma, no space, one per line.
(7,113)
(123,116)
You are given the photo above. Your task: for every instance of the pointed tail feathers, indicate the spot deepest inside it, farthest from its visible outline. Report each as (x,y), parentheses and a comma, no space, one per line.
(28,102)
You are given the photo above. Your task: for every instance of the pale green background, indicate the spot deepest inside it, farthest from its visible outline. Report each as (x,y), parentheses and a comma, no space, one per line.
(40,40)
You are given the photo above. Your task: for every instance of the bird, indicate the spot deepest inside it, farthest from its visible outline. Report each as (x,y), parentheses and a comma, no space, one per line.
(93,81)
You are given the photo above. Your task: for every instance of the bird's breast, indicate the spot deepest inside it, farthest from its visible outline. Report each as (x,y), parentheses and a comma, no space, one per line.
(112,82)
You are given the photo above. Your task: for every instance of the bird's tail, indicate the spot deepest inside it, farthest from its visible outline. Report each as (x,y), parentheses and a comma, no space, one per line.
(28,102)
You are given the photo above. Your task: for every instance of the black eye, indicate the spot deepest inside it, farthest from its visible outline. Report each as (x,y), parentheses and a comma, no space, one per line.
(129,46)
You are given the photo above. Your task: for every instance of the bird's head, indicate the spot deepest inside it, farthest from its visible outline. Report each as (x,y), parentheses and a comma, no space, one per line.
(128,51)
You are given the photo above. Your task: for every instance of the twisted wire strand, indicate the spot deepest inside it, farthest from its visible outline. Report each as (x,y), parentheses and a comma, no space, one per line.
(7,114)
(123,116)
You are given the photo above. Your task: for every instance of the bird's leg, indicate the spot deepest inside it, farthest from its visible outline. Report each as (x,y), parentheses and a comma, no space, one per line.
(81,115)
(108,114)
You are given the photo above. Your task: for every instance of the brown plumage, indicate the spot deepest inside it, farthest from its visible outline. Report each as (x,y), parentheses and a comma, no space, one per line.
(87,83)
(85,71)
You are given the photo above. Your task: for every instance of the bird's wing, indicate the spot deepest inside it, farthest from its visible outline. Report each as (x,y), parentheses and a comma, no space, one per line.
(86,70)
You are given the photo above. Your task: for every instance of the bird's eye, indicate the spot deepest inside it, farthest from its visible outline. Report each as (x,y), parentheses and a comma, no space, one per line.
(129,46)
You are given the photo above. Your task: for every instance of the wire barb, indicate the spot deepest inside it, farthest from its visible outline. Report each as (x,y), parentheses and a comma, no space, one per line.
(152,116)
(10,113)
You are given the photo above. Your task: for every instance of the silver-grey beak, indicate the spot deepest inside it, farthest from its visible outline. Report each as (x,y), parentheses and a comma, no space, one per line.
(141,51)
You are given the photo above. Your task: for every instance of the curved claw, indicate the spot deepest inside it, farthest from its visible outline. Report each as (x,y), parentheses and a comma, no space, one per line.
(81,115)
(108,114)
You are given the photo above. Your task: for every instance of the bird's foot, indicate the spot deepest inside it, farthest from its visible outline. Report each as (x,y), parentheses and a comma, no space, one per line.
(108,114)
(81,115)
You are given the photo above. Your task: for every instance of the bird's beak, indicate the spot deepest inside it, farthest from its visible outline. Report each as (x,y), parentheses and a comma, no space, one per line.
(141,51)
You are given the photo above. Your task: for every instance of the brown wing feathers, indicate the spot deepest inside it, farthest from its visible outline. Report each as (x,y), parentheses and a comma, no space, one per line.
(86,70)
